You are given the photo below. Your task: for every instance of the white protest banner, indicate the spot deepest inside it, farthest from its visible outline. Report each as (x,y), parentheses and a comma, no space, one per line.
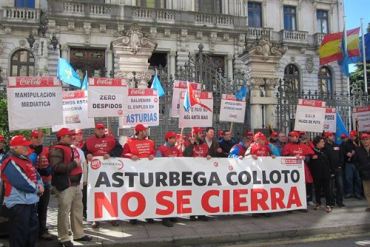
(198,116)
(310,116)
(232,109)
(34,102)
(75,111)
(142,107)
(361,118)
(330,123)
(107,97)
(180,87)
(121,189)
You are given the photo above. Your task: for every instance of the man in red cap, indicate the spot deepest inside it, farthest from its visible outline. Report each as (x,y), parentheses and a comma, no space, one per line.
(67,172)
(197,147)
(139,146)
(168,149)
(335,157)
(259,148)
(23,186)
(352,180)
(304,152)
(101,144)
(363,165)
(39,157)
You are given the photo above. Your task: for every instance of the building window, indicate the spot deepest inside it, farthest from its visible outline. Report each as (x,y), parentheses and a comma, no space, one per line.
(325,80)
(292,78)
(209,6)
(90,60)
(322,21)
(290,19)
(22,63)
(254,14)
(159,4)
(25,3)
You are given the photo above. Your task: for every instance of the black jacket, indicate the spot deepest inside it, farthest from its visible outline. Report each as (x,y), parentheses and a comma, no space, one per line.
(363,162)
(226,147)
(335,155)
(320,167)
(348,147)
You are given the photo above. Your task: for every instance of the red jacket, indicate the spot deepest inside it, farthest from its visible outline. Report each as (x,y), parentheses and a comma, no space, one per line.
(99,146)
(260,150)
(141,148)
(196,150)
(167,151)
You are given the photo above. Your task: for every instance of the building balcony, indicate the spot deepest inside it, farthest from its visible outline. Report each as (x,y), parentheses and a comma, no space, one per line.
(318,37)
(297,37)
(257,33)
(21,15)
(139,14)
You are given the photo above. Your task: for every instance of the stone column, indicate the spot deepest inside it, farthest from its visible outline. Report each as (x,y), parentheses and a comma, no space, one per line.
(230,67)
(172,59)
(271,107)
(255,105)
(65,52)
(43,57)
(109,62)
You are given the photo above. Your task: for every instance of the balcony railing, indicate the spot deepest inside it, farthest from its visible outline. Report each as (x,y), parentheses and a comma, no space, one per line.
(294,36)
(257,33)
(318,38)
(21,15)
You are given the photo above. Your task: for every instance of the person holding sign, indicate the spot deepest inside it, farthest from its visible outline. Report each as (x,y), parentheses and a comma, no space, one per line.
(168,149)
(260,147)
(23,187)
(197,147)
(214,149)
(301,151)
(104,145)
(363,165)
(67,173)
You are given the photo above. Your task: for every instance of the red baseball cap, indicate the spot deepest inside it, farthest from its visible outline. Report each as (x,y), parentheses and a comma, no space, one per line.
(343,136)
(294,134)
(259,136)
(140,127)
(170,134)
(328,134)
(19,140)
(65,132)
(99,126)
(274,134)
(197,130)
(36,133)
(353,133)
(2,139)
(365,136)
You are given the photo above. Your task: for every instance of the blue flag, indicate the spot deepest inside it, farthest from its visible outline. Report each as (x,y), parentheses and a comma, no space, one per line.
(242,93)
(156,85)
(341,129)
(67,74)
(367,50)
(344,64)
(186,102)
(85,82)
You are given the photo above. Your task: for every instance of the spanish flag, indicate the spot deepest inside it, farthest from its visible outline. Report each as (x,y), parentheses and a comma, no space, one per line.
(331,51)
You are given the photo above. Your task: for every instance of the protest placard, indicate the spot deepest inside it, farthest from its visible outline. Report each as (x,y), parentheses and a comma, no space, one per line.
(121,189)
(232,109)
(361,118)
(107,97)
(198,115)
(34,102)
(75,111)
(142,107)
(330,123)
(310,116)
(179,87)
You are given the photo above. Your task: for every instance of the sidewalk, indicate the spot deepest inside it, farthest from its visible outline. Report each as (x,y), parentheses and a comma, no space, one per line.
(228,229)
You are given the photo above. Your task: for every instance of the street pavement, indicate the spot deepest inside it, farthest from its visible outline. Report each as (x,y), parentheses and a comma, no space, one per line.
(230,230)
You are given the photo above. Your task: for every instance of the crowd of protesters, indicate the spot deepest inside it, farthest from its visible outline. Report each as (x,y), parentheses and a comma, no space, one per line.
(30,171)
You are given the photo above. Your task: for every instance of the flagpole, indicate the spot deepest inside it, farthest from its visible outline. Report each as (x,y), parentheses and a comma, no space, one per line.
(364,55)
(348,81)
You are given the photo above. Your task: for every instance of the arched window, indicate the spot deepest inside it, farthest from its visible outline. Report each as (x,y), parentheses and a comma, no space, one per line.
(22,63)
(325,80)
(292,78)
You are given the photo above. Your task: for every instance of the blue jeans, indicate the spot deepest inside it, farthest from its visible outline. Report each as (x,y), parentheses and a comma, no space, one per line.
(353,180)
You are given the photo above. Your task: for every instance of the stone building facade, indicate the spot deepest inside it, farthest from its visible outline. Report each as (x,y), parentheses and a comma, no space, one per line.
(265,39)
